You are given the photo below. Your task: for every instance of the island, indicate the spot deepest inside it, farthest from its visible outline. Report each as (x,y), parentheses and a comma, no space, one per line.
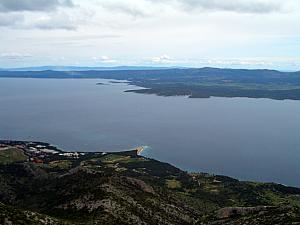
(41,184)
(192,82)
(101,83)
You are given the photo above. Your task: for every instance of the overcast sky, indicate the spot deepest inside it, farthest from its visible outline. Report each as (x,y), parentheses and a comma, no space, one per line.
(220,33)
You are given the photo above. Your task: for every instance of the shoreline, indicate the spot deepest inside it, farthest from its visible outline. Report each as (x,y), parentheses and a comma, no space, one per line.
(43,152)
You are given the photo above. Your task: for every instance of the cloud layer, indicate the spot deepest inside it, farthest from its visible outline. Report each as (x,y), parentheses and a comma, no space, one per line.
(40,14)
(33,5)
(12,19)
(239,6)
(60,14)
(152,32)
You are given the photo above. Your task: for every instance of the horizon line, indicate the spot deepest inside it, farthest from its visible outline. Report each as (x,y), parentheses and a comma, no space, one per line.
(136,67)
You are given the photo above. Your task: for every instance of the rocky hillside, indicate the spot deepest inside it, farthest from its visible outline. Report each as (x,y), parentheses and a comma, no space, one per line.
(39,184)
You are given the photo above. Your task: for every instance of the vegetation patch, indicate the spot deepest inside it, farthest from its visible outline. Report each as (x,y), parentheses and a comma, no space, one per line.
(111,158)
(11,155)
(115,158)
(173,184)
(61,164)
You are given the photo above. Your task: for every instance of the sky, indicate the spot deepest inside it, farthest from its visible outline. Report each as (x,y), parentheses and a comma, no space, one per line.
(188,33)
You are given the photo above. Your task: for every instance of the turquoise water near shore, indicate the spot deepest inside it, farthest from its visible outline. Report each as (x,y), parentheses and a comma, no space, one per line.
(251,139)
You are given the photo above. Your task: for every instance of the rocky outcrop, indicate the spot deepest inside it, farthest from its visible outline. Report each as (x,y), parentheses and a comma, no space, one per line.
(141,185)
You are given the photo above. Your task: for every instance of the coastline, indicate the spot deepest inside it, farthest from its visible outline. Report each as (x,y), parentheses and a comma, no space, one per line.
(83,187)
(42,152)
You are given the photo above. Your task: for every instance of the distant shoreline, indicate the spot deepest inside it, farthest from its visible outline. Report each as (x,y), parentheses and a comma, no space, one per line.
(195,83)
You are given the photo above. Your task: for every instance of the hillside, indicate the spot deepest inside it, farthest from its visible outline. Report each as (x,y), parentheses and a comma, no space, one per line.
(40,184)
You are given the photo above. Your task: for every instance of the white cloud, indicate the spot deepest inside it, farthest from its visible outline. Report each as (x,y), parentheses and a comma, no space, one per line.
(104,59)
(161,59)
(14,55)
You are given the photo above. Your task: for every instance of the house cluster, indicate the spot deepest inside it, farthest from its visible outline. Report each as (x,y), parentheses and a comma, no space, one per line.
(72,154)
(36,151)
(40,149)
(39,152)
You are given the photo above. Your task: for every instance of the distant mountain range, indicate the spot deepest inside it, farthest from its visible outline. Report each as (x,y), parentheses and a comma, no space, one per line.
(85,68)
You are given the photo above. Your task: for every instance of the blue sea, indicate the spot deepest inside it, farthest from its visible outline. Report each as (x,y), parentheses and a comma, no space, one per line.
(249,139)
